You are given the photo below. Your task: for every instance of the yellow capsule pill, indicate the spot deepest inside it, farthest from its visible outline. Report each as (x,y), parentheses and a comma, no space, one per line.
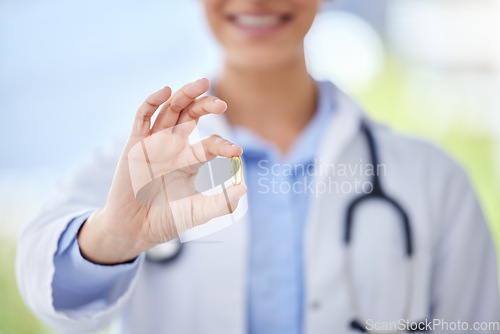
(236,170)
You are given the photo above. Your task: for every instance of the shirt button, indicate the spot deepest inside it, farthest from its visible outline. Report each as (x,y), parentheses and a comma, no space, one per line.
(315,305)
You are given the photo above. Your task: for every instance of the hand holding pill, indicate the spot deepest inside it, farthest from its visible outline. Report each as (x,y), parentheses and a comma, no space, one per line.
(152,198)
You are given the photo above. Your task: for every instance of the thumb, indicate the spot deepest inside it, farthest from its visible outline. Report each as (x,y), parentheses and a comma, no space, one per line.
(221,204)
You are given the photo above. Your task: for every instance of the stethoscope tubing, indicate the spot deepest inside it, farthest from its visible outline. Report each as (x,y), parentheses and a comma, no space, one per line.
(379,194)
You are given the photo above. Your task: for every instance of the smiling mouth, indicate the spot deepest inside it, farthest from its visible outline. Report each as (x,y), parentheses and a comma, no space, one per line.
(259,21)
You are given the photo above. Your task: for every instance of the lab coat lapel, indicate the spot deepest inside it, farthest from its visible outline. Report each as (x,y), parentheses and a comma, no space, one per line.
(343,127)
(341,132)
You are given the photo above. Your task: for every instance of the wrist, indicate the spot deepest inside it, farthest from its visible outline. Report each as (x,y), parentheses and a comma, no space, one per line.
(100,244)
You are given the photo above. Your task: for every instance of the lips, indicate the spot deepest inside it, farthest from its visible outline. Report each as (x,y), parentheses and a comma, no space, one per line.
(259,21)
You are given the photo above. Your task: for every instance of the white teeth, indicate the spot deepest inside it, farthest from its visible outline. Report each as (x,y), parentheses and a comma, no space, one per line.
(258,21)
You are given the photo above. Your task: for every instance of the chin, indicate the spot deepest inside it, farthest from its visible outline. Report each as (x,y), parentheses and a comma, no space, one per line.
(253,59)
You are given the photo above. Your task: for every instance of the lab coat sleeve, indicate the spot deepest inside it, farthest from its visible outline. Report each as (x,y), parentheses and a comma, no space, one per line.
(38,243)
(465,284)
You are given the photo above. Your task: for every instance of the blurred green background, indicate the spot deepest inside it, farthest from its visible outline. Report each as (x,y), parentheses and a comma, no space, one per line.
(391,100)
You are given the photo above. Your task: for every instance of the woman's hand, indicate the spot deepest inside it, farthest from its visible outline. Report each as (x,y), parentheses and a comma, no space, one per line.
(135,220)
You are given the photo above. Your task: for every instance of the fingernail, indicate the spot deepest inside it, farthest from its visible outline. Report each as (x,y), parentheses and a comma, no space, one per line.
(219,101)
(238,147)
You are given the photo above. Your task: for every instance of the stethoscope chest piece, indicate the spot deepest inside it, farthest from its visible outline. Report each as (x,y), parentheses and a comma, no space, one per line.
(164,252)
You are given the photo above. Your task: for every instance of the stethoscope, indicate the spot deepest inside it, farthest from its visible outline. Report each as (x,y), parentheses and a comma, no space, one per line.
(377,193)
(167,252)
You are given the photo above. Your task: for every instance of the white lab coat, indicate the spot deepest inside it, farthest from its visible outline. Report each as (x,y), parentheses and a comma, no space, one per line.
(204,290)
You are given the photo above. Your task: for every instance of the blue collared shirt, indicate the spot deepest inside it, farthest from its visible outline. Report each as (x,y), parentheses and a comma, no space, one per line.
(278,196)
(278,201)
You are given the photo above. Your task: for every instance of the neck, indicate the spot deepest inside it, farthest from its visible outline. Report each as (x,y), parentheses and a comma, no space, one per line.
(276,104)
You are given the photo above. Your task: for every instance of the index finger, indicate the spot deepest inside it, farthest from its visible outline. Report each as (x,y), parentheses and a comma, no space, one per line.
(142,122)
(170,112)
